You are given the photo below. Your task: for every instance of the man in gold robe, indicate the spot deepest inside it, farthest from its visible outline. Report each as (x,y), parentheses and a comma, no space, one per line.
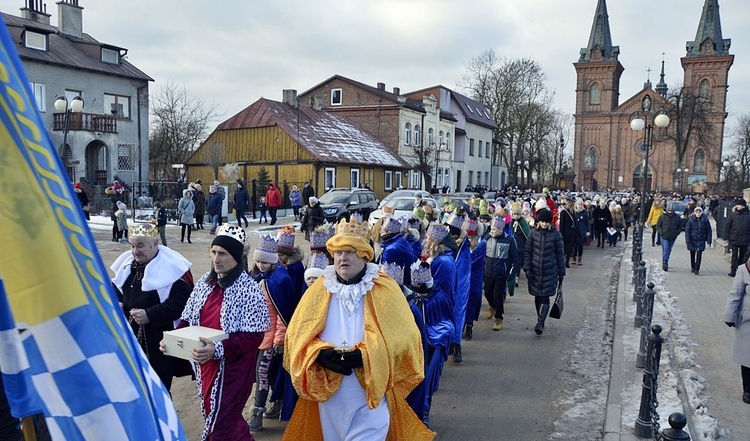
(354,320)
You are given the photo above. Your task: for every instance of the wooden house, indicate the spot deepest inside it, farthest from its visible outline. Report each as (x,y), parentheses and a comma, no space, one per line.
(296,145)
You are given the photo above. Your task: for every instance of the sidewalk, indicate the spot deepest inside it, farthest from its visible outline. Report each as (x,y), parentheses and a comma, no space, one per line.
(697,375)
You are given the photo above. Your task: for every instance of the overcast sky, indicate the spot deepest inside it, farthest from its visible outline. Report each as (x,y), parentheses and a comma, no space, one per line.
(234,52)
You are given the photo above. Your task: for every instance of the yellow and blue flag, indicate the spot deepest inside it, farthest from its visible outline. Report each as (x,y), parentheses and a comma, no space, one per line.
(76,359)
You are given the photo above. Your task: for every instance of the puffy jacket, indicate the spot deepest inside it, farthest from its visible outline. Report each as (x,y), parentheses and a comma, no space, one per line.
(567,229)
(501,257)
(544,261)
(213,207)
(295,197)
(738,226)
(602,218)
(697,232)
(241,199)
(582,224)
(669,225)
(273,196)
(655,213)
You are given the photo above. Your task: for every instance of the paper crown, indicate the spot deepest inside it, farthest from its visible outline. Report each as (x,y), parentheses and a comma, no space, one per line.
(498,222)
(394,271)
(515,208)
(143,230)
(391,225)
(437,232)
(484,208)
(388,210)
(319,237)
(356,216)
(420,273)
(266,250)
(317,260)
(285,238)
(456,220)
(355,227)
(233,231)
(471,226)
(419,212)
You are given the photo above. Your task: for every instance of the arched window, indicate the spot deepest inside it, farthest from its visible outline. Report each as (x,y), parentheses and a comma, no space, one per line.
(595,94)
(441,137)
(699,162)
(407,134)
(591,158)
(417,135)
(704,89)
(447,141)
(430,137)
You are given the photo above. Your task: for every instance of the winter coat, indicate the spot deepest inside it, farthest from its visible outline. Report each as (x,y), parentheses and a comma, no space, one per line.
(161,217)
(669,226)
(186,208)
(602,219)
(521,231)
(122,220)
(618,220)
(501,257)
(738,226)
(582,224)
(213,207)
(295,197)
(567,229)
(199,199)
(697,232)
(655,213)
(313,218)
(307,193)
(544,261)
(273,196)
(241,199)
(737,311)
(627,213)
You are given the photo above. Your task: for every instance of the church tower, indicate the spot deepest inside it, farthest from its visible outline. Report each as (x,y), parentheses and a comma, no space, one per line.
(706,66)
(597,93)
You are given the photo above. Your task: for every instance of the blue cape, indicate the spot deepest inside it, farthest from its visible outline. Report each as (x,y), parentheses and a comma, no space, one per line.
(461,292)
(398,250)
(477,279)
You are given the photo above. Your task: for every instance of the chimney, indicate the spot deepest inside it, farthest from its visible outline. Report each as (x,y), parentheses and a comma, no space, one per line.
(317,103)
(35,10)
(381,86)
(397,91)
(290,97)
(70,18)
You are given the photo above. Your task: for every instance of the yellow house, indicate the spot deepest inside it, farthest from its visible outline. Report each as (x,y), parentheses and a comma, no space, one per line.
(296,145)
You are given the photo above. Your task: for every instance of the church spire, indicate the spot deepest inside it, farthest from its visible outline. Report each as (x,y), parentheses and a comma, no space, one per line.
(661,86)
(708,40)
(600,41)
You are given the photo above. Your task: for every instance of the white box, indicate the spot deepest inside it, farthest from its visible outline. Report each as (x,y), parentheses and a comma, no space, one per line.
(181,341)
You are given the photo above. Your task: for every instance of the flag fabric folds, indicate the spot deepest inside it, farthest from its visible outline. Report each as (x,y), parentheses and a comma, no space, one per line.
(76,359)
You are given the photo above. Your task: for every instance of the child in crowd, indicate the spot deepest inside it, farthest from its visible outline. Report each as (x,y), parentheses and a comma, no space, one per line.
(121,217)
(262,207)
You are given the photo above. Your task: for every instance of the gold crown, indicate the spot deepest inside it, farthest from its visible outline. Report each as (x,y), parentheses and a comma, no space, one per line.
(353,228)
(143,230)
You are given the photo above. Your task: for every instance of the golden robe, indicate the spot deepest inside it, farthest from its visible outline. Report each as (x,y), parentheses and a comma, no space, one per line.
(392,355)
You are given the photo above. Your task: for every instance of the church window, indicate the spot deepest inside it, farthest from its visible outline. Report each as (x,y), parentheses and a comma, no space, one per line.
(704,88)
(699,162)
(595,94)
(591,158)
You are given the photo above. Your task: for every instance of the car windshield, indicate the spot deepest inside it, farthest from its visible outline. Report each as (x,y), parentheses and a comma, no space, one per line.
(335,197)
(401,204)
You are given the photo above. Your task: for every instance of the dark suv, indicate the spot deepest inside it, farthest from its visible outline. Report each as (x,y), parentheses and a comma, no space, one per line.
(338,203)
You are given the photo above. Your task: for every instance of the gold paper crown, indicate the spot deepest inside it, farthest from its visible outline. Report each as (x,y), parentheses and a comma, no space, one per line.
(143,230)
(353,228)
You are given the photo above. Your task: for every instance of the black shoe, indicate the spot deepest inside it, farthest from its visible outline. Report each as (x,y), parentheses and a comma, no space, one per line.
(189,241)
(457,358)
(746,397)
(275,410)
(692,270)
(696,272)
(731,274)
(665,267)
(469,332)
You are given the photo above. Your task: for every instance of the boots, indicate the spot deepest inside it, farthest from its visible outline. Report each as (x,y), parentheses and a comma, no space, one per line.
(490,313)
(256,418)
(498,324)
(469,332)
(275,410)
(457,357)
(579,260)
(544,310)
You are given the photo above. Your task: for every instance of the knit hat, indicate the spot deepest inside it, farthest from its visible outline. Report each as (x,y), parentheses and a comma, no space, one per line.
(313,272)
(394,271)
(285,240)
(741,201)
(266,250)
(540,204)
(544,215)
(352,236)
(233,239)
(313,200)
(77,185)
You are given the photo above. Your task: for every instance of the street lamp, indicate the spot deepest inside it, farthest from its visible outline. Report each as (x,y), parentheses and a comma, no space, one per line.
(523,166)
(682,173)
(638,121)
(62,105)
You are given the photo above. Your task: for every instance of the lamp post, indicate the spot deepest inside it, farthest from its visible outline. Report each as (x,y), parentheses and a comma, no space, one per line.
(682,173)
(62,105)
(519,172)
(638,121)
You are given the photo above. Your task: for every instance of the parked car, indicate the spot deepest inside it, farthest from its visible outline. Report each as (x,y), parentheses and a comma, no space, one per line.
(679,208)
(338,203)
(401,207)
(457,198)
(405,194)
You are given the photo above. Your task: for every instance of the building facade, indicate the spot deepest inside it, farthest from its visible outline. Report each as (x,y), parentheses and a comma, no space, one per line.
(607,153)
(109,136)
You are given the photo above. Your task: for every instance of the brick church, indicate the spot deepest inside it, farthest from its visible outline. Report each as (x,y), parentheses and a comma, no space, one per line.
(608,154)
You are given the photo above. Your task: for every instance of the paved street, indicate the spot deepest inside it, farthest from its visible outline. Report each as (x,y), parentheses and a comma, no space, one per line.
(514,385)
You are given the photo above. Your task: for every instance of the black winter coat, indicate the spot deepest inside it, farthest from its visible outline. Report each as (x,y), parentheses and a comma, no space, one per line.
(241,199)
(738,227)
(697,232)
(602,218)
(544,261)
(213,207)
(669,226)
(567,229)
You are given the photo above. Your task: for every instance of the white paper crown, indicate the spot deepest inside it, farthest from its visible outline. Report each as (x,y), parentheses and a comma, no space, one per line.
(319,237)
(498,222)
(392,225)
(471,226)
(437,232)
(420,273)
(356,216)
(317,260)
(285,237)
(233,231)
(267,244)
(456,220)
(394,271)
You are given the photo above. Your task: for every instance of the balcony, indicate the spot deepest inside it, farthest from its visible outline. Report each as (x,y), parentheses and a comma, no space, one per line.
(90,122)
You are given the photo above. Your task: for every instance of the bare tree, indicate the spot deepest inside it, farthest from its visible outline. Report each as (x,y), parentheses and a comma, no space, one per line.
(688,115)
(179,122)
(740,152)
(215,157)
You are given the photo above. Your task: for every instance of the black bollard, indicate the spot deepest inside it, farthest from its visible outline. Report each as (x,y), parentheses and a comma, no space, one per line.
(647,310)
(675,433)
(648,418)
(640,282)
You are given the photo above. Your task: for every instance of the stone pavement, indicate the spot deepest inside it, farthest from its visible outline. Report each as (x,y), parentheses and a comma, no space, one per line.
(699,342)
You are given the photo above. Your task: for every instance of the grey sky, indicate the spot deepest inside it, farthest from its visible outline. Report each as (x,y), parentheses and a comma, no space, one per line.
(234,52)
